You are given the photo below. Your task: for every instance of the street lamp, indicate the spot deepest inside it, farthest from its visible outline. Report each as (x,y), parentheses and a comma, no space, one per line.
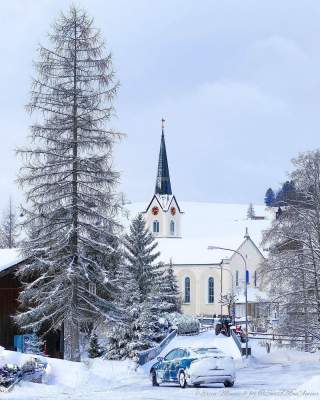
(246,286)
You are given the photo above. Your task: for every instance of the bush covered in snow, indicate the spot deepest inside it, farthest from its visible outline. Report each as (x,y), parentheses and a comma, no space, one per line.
(184,324)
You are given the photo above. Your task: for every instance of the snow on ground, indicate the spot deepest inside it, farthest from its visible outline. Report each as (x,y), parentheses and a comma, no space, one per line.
(282,374)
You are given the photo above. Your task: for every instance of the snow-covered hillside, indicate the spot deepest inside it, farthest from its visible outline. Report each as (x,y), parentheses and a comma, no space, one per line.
(204,224)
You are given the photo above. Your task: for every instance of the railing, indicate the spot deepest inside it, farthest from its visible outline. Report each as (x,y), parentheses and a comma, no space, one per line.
(241,346)
(275,337)
(148,355)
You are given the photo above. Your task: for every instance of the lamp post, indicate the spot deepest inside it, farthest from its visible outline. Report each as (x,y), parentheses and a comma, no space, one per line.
(246,286)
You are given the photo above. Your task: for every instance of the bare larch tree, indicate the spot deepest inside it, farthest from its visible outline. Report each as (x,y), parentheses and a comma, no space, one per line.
(293,266)
(70,184)
(9,230)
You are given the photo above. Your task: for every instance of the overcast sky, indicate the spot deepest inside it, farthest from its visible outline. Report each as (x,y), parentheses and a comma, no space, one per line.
(237,81)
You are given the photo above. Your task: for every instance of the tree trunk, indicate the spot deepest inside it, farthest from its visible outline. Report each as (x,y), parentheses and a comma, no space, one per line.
(71,340)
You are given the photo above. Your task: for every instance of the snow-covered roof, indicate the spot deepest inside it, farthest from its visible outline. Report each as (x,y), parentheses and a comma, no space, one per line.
(254,295)
(9,258)
(204,224)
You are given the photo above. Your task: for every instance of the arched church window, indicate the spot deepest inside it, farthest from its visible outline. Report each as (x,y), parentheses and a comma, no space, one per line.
(187,290)
(210,290)
(172,227)
(156,226)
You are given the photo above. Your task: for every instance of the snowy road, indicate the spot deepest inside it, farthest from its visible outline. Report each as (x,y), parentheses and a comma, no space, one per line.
(279,375)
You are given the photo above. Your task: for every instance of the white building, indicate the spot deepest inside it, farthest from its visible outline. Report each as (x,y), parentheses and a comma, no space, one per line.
(185,230)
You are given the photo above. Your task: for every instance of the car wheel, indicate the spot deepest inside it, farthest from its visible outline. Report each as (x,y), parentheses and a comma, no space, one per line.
(154,378)
(182,380)
(228,383)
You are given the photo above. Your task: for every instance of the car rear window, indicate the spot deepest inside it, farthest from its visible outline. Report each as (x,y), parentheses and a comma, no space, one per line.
(204,350)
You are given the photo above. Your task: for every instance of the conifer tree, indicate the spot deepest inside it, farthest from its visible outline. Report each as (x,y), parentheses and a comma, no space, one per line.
(169,291)
(70,184)
(269,198)
(9,232)
(95,349)
(140,253)
(34,345)
(251,213)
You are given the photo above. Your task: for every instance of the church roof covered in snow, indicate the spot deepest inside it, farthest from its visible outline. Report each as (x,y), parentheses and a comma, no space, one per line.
(204,224)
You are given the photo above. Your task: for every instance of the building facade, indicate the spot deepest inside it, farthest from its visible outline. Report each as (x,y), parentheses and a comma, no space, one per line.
(184,232)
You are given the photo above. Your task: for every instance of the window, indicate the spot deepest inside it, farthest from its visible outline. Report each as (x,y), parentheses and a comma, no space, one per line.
(255,278)
(156,226)
(210,290)
(92,288)
(187,290)
(172,227)
(173,354)
(237,278)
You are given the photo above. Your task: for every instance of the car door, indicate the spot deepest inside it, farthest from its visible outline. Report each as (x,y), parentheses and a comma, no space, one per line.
(176,364)
(164,370)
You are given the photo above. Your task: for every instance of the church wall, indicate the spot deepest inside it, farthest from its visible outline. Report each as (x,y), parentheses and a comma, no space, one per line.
(254,260)
(199,276)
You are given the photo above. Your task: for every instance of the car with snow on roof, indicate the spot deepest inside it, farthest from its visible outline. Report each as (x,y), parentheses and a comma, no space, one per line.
(194,366)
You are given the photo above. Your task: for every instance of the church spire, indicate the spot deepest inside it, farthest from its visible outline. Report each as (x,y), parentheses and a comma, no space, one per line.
(163,185)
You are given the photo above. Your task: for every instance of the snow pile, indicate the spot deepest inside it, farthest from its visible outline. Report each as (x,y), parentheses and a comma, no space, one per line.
(312,385)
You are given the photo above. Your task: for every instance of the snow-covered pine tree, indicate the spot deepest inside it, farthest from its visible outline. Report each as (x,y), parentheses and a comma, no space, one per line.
(269,198)
(70,183)
(9,232)
(250,212)
(34,345)
(169,291)
(124,334)
(140,253)
(95,349)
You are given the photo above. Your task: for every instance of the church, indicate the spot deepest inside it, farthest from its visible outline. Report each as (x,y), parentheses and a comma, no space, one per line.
(185,230)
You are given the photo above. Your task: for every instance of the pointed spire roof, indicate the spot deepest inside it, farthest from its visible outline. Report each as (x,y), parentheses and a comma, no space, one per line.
(163,184)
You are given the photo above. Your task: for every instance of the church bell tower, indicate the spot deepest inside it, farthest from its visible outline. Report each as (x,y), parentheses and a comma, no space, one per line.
(163,214)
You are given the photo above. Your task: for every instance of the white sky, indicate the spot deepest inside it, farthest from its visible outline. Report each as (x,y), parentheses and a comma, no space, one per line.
(237,81)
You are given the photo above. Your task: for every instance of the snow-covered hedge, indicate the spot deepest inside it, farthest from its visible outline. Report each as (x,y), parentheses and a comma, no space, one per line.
(184,324)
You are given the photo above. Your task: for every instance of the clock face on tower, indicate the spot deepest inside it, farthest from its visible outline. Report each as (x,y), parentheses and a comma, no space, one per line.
(173,211)
(155,210)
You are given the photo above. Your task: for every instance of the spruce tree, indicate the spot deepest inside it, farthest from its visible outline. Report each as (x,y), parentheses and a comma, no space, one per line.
(250,212)
(34,344)
(169,291)
(95,349)
(269,198)
(70,184)
(140,253)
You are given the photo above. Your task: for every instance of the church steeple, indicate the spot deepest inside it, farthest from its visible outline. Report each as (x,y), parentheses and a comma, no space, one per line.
(163,184)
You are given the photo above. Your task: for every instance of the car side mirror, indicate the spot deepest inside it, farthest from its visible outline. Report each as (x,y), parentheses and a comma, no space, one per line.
(160,358)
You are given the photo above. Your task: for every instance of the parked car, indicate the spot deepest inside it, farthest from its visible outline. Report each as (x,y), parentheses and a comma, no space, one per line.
(194,366)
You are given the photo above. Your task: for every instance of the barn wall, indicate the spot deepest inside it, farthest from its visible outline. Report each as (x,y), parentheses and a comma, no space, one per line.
(9,291)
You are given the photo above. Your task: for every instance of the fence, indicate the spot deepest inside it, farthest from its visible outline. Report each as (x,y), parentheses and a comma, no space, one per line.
(241,346)
(148,355)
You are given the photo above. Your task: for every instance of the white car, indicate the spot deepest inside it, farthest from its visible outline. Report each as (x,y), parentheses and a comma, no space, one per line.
(194,366)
